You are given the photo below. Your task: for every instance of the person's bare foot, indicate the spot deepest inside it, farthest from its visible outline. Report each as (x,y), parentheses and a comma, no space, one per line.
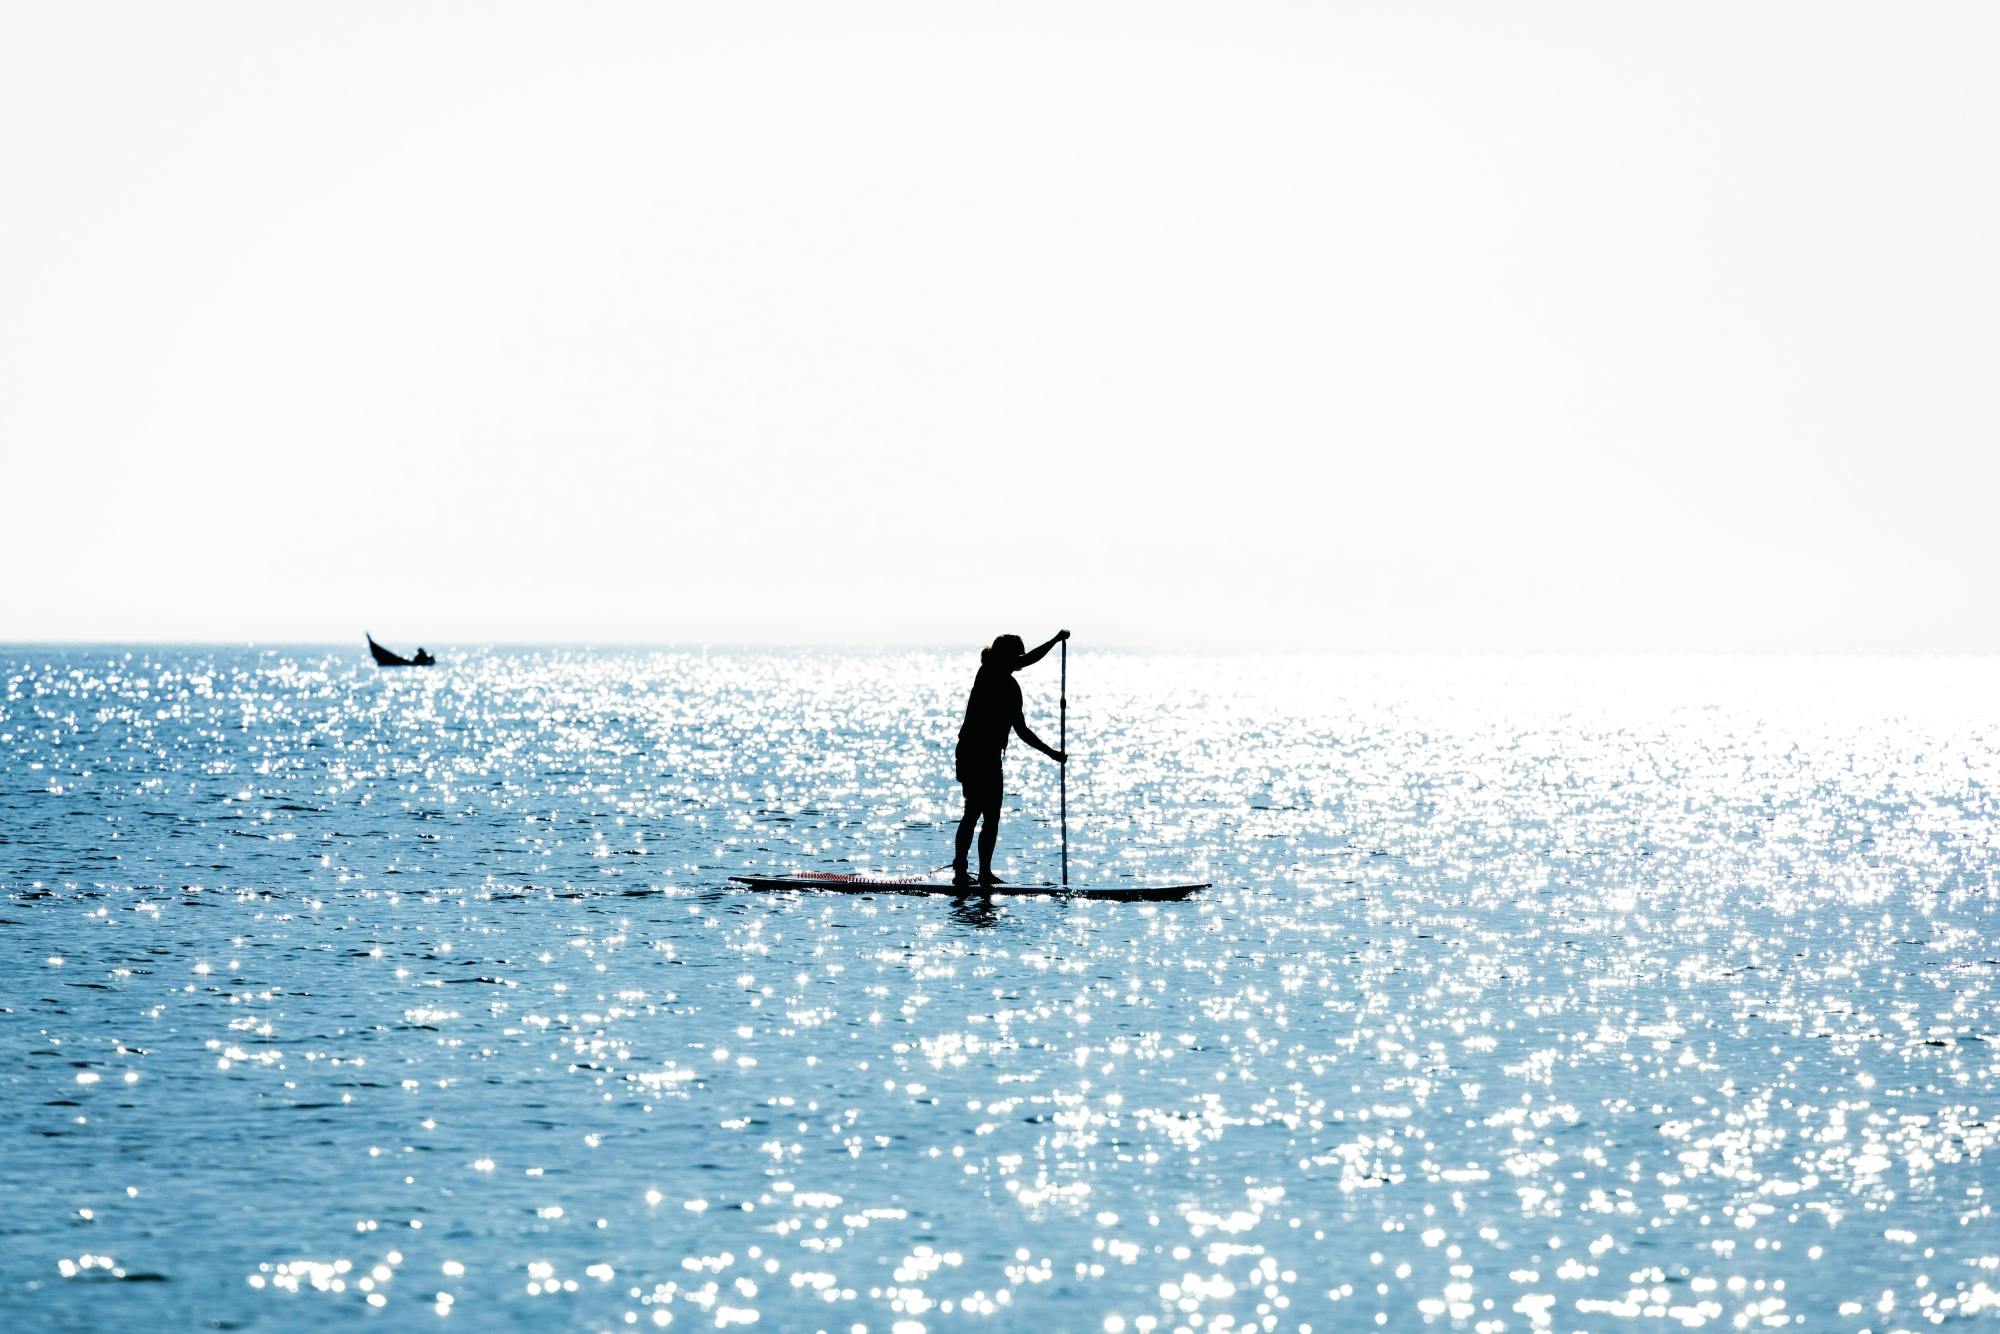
(961,878)
(987,878)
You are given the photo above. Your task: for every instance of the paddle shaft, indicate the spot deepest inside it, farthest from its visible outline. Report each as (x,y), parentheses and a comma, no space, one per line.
(1062,744)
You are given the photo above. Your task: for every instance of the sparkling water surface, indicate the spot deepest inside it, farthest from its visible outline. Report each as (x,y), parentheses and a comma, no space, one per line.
(1531,995)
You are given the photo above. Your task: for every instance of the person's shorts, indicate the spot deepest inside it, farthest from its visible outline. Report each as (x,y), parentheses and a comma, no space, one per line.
(981,777)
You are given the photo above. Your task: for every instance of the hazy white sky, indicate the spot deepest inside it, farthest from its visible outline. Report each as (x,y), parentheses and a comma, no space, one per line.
(1400,326)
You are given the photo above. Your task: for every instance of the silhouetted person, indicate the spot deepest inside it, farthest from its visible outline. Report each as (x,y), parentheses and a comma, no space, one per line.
(991,713)
(423,659)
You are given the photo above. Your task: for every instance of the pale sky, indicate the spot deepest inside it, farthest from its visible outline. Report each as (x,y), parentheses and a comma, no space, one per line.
(1463,326)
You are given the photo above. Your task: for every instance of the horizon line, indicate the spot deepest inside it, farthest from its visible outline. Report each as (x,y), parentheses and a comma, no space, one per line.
(793,646)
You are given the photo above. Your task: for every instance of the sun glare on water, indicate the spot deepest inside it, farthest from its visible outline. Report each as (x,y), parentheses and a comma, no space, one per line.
(1538,994)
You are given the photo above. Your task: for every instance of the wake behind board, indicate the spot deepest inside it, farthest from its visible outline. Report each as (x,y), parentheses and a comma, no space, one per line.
(861,884)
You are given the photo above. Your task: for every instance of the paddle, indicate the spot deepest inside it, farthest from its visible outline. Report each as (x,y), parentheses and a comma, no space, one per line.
(1062,744)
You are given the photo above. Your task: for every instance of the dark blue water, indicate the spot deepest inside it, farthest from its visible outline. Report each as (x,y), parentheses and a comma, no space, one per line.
(1531,995)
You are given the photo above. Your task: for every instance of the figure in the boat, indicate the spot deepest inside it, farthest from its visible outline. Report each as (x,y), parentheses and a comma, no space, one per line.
(993,711)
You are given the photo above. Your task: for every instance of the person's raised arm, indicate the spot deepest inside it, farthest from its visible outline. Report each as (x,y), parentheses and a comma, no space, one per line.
(1035,655)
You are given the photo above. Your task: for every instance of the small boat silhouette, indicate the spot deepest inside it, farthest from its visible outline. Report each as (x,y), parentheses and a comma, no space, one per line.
(384,658)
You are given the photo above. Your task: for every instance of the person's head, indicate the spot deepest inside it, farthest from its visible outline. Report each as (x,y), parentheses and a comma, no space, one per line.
(1005,651)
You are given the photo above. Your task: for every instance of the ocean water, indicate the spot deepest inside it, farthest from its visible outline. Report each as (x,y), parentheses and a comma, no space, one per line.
(1531,995)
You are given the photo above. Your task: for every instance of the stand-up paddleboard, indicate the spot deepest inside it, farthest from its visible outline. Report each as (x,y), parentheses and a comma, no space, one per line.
(830,882)
(825,882)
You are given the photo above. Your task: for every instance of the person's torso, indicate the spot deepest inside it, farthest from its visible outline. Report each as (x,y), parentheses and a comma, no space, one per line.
(990,712)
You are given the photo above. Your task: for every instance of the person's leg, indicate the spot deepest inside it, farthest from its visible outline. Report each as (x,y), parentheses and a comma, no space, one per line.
(989,832)
(963,846)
